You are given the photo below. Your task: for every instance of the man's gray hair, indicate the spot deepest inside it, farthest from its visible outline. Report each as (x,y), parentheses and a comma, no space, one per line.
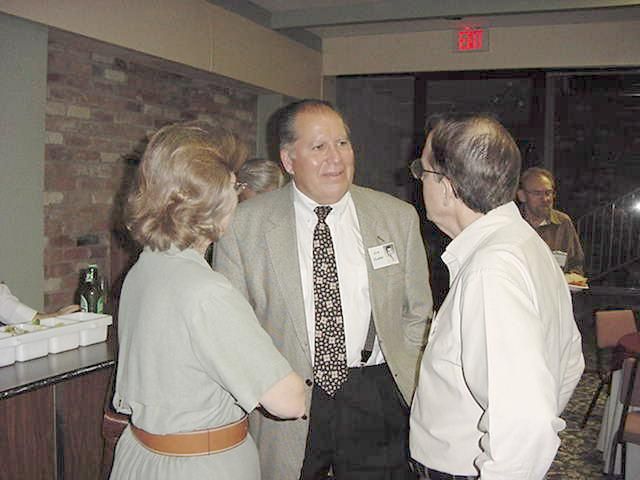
(479,157)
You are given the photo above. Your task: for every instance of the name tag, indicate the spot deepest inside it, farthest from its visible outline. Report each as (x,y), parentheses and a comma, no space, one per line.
(383,255)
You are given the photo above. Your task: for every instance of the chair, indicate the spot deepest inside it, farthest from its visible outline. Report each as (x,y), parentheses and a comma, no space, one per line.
(629,427)
(611,326)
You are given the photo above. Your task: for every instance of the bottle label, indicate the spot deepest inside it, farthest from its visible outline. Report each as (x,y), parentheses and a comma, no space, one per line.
(89,276)
(84,306)
(91,301)
(100,305)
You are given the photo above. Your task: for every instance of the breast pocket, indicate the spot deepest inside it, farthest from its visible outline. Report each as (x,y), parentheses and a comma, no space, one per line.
(444,340)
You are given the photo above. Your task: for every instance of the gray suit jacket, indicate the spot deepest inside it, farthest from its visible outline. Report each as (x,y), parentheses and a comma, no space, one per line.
(259,255)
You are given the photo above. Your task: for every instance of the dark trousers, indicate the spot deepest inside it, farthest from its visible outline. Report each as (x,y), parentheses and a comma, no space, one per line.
(361,433)
(436,475)
(430,474)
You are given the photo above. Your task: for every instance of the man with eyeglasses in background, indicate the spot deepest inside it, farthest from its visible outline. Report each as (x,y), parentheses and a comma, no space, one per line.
(536,194)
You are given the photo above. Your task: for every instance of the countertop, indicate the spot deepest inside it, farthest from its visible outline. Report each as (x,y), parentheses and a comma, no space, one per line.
(22,377)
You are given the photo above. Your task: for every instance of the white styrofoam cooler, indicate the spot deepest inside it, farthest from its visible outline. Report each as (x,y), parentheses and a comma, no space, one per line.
(53,335)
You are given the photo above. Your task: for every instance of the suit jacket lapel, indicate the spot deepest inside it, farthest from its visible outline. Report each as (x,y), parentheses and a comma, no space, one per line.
(282,243)
(373,233)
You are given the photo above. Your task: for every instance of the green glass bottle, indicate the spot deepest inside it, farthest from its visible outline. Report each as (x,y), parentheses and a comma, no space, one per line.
(91,296)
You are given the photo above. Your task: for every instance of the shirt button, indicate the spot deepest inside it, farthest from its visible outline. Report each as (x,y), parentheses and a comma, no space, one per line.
(308,382)
(304,417)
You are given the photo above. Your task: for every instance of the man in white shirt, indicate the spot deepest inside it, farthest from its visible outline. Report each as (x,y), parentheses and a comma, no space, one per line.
(504,353)
(13,311)
(357,423)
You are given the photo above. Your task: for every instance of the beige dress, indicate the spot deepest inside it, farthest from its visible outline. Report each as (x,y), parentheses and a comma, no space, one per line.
(192,356)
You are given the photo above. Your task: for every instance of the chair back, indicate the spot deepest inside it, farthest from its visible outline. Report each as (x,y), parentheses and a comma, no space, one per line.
(612,325)
(627,369)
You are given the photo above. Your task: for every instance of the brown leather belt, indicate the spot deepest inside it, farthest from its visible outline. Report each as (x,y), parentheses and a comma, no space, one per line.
(201,442)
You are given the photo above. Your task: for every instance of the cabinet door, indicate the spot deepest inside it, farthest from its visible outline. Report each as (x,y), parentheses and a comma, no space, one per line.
(26,437)
(79,407)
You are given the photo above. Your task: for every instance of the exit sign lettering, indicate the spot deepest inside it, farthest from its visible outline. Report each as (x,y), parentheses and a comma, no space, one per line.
(472,40)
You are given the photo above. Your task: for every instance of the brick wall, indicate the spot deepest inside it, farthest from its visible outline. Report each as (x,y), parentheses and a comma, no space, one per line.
(102,103)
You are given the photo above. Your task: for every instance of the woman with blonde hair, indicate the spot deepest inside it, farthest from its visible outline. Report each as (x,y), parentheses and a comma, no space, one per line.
(193,359)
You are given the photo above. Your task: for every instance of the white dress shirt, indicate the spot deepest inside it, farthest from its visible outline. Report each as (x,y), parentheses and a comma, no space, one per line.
(11,310)
(352,272)
(503,357)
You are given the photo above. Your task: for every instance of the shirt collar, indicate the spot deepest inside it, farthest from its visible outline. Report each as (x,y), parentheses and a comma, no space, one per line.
(305,205)
(553,218)
(187,253)
(466,243)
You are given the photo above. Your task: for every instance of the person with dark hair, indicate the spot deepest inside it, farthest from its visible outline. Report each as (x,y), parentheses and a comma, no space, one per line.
(338,276)
(504,353)
(259,175)
(193,359)
(536,194)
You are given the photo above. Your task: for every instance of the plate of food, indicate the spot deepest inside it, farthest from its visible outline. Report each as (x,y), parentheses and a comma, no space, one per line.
(576,282)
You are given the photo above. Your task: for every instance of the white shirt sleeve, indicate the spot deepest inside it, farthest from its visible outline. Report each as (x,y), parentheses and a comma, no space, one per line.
(504,364)
(11,310)
(575,367)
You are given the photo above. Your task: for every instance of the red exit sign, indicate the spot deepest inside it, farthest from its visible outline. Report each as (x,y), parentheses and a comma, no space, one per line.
(472,40)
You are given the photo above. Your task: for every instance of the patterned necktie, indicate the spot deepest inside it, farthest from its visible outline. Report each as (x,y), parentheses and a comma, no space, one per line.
(330,359)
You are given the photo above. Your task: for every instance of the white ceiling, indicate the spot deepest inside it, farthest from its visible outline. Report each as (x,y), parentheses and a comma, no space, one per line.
(507,20)
(282,5)
(309,21)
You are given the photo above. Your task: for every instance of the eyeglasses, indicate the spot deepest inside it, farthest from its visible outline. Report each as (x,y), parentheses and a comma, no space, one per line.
(541,193)
(239,186)
(418,171)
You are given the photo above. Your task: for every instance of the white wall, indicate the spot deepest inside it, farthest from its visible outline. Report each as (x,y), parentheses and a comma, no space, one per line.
(23,60)
(191,32)
(588,45)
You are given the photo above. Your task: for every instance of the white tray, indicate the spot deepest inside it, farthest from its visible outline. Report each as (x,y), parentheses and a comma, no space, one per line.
(577,288)
(68,339)
(34,343)
(8,353)
(92,326)
(53,335)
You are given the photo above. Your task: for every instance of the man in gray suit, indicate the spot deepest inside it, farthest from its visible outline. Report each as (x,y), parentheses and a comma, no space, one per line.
(280,254)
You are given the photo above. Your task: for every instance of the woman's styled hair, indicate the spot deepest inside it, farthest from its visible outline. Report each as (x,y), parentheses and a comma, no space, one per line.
(261,175)
(185,186)
(478,156)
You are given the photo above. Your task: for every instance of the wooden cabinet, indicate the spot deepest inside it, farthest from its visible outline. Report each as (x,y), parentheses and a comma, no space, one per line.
(78,413)
(52,430)
(27,439)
